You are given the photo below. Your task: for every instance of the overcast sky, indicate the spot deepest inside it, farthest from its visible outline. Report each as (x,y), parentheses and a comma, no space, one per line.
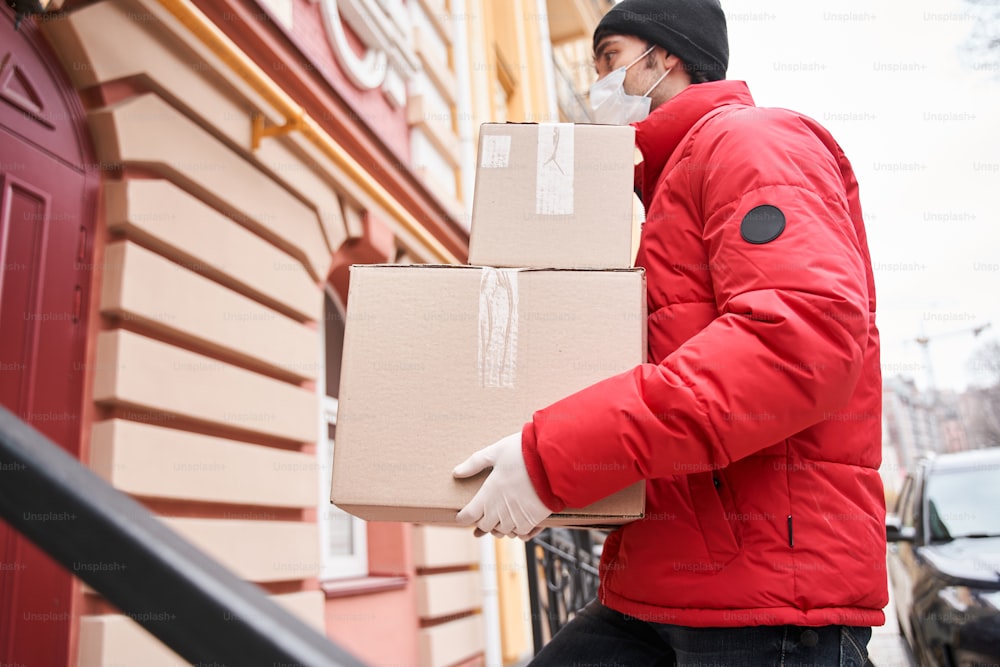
(921,125)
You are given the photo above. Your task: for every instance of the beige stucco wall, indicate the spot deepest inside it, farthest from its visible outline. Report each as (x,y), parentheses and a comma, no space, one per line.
(210,290)
(211,294)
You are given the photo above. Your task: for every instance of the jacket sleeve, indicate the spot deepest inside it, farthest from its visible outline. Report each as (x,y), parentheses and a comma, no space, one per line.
(784,353)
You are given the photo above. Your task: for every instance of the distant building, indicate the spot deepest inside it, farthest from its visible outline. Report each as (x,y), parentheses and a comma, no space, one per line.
(912,427)
(953,428)
(978,410)
(917,423)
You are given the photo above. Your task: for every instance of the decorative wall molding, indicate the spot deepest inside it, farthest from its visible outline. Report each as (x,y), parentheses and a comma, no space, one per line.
(389,59)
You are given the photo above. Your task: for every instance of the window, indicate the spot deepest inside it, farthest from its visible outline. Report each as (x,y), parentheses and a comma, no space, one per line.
(504,87)
(344,544)
(963,502)
(500,101)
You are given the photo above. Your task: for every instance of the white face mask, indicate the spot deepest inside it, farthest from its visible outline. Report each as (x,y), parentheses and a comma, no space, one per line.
(611,105)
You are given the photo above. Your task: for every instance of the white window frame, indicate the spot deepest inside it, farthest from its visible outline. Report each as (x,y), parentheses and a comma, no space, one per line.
(334,566)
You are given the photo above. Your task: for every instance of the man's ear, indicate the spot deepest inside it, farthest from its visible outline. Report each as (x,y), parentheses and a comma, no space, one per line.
(668,60)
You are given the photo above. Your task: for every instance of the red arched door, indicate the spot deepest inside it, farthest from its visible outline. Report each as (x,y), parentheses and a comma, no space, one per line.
(47,212)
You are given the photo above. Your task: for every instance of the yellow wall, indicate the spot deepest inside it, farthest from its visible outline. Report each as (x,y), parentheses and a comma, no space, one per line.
(506,52)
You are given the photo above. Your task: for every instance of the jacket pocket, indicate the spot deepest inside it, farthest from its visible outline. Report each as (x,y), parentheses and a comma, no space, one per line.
(717,517)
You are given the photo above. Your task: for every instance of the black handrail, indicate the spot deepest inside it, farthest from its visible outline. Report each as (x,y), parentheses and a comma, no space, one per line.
(188,601)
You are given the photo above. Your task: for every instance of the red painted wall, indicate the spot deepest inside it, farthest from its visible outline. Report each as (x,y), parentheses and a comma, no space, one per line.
(371,106)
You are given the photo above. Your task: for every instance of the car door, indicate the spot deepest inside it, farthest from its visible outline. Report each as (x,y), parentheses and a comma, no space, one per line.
(902,557)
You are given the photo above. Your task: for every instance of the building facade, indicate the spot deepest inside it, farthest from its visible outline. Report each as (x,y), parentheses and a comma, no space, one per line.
(920,423)
(185,185)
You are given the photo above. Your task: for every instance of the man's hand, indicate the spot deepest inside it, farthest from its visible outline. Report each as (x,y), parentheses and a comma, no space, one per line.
(506,505)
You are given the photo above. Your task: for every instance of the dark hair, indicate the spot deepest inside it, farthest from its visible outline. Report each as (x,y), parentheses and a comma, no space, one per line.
(697,74)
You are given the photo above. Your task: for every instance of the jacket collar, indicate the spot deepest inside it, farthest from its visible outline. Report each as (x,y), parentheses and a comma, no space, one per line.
(662,131)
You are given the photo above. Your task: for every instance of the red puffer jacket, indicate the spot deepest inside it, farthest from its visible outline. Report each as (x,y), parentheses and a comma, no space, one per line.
(757,419)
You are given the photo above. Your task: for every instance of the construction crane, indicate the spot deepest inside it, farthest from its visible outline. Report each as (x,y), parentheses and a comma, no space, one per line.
(924,341)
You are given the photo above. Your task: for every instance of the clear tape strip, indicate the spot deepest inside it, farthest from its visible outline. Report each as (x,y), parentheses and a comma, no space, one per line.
(497,327)
(554,185)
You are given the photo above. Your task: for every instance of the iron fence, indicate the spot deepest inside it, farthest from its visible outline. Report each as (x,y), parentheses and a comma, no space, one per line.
(563,577)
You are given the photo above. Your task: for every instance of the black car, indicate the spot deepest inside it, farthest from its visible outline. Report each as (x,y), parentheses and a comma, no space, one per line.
(944,559)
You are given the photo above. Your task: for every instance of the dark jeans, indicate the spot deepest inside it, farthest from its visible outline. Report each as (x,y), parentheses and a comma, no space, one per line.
(601,637)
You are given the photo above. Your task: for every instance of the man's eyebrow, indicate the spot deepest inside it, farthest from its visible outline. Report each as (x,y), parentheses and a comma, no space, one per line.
(603,44)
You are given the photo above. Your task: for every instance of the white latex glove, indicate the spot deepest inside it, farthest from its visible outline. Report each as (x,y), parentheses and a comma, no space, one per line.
(506,504)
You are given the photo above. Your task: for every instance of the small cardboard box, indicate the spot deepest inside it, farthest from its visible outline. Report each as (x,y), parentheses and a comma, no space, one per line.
(554,195)
(440,361)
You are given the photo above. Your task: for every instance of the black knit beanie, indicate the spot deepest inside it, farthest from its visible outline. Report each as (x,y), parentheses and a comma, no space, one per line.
(694,30)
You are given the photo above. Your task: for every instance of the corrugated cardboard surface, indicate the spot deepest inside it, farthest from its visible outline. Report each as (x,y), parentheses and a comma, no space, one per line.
(553,195)
(415,399)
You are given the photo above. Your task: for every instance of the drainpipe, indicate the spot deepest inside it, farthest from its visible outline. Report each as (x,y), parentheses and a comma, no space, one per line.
(460,23)
(460,20)
(296,119)
(491,600)
(548,61)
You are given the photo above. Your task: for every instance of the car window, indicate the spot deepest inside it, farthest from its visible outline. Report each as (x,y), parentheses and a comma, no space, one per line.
(964,502)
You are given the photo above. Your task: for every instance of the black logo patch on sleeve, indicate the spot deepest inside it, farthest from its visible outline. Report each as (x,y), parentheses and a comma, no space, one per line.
(762,224)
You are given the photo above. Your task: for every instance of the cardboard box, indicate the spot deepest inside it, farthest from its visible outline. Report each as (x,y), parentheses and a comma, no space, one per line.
(553,195)
(440,361)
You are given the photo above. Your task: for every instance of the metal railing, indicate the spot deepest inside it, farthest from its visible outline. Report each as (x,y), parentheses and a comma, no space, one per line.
(563,578)
(190,602)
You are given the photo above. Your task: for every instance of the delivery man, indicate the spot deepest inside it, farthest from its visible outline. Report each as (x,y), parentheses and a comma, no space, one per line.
(756,421)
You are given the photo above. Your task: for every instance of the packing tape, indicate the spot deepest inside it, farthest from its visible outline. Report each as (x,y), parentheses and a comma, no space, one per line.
(497,327)
(554,187)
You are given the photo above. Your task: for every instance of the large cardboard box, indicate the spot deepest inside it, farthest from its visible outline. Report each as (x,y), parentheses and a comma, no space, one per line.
(440,361)
(553,195)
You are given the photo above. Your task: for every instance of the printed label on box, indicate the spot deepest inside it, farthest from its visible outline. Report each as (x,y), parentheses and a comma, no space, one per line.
(496,151)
